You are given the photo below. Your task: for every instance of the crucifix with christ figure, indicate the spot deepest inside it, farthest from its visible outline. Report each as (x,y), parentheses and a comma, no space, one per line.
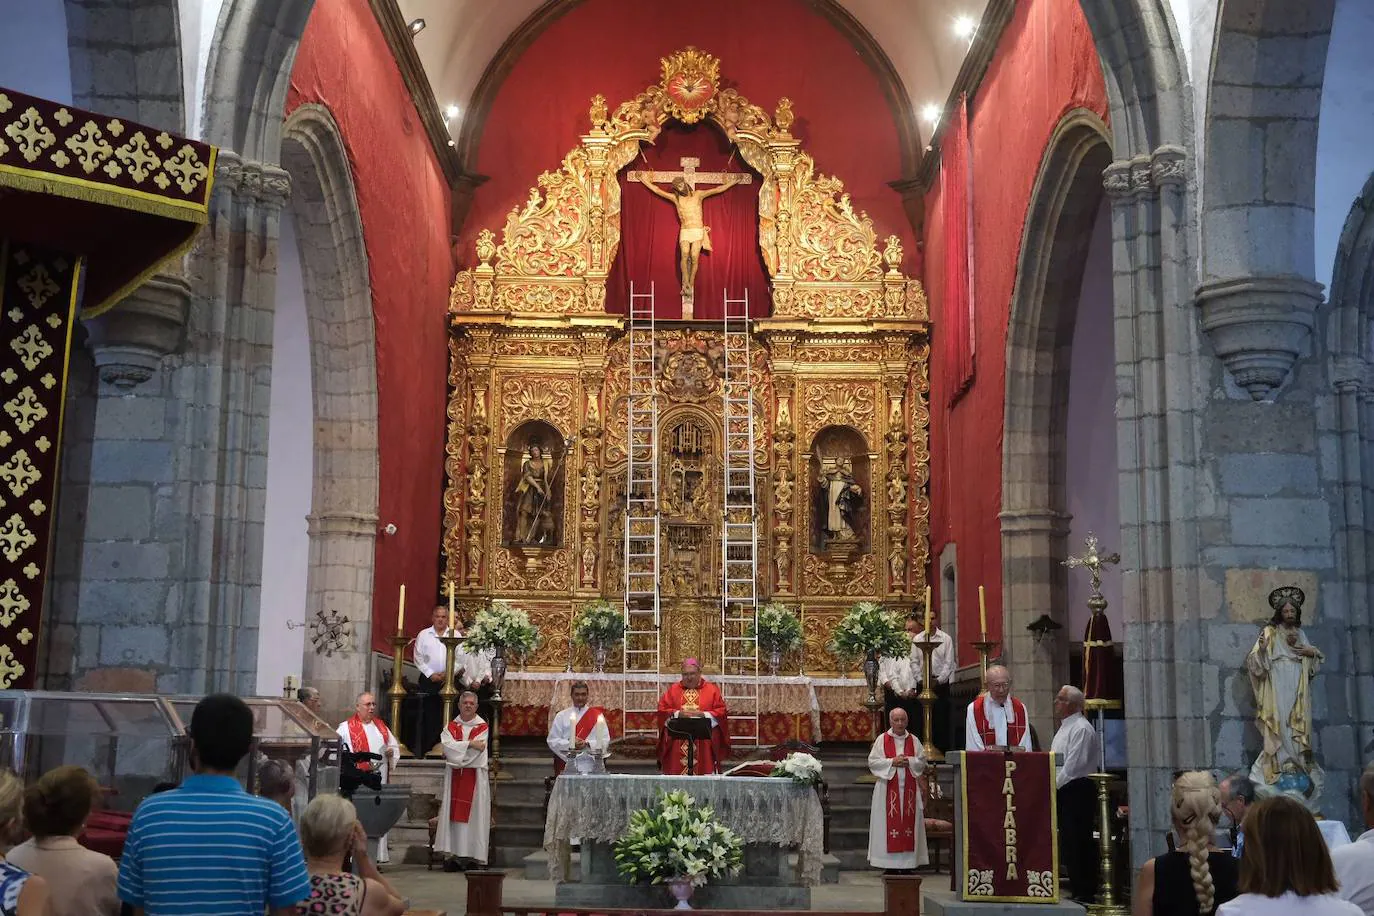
(694,236)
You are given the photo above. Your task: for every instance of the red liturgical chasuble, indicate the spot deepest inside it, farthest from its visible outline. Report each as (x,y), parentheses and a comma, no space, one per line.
(672,752)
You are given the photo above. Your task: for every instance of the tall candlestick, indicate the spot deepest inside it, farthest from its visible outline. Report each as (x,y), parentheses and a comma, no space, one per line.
(450,604)
(982,612)
(928,618)
(401,612)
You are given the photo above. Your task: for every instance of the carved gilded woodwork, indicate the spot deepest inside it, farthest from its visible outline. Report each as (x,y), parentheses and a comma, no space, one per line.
(840,403)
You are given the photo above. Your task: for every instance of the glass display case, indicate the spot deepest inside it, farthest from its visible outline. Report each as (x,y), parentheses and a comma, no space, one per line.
(134,742)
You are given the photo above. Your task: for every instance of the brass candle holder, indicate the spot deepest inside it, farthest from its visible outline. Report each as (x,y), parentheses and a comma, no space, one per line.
(398,690)
(985,647)
(1106,904)
(927,698)
(497,773)
(449,692)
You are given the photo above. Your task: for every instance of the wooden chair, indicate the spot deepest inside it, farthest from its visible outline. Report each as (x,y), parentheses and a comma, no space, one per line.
(939,822)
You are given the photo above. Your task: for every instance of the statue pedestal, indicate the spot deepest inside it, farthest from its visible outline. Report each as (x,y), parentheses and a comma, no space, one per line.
(688,306)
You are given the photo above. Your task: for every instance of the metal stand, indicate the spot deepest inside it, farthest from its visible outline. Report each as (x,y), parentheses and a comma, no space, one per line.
(875,709)
(397,691)
(927,698)
(497,774)
(1106,904)
(985,647)
(449,692)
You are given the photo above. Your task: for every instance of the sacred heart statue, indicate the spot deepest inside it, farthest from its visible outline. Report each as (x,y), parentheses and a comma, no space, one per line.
(690,80)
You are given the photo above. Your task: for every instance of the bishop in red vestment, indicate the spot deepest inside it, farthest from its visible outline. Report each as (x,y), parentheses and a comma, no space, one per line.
(692,697)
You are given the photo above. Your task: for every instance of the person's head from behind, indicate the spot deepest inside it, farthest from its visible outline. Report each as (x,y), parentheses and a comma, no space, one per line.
(1237,795)
(277,782)
(999,683)
(1195,806)
(11,808)
(1284,851)
(59,803)
(1367,795)
(221,733)
(327,827)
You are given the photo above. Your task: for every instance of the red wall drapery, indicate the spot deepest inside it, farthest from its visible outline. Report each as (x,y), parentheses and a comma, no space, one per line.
(649,229)
(956,315)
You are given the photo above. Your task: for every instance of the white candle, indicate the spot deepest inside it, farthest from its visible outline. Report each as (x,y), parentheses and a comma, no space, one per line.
(401,612)
(450,606)
(982,613)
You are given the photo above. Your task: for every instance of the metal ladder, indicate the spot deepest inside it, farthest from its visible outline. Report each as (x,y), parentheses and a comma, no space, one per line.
(641,522)
(739,535)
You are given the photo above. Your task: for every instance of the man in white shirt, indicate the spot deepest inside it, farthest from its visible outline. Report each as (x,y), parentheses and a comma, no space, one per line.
(577,727)
(365,733)
(898,677)
(1075,796)
(996,718)
(1354,862)
(941,673)
(431,661)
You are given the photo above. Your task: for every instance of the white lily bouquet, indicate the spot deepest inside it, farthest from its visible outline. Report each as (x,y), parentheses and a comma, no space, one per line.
(799,767)
(676,838)
(502,626)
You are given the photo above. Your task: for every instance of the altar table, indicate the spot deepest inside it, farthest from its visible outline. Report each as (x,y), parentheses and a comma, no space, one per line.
(763,811)
(790,708)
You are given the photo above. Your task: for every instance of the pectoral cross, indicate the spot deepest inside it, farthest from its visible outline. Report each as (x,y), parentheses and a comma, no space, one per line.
(694,236)
(1093,562)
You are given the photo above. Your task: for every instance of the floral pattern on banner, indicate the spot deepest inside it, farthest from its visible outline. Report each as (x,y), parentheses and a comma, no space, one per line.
(1011,853)
(38,299)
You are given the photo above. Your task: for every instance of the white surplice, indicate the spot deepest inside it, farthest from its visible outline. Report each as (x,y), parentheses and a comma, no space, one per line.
(469,840)
(374,745)
(564,726)
(881,766)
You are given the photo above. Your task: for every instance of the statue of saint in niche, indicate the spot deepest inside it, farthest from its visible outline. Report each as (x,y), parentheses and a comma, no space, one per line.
(1281,666)
(839,501)
(534,509)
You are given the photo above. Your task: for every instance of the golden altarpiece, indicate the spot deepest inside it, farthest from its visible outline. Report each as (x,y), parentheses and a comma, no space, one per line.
(536,447)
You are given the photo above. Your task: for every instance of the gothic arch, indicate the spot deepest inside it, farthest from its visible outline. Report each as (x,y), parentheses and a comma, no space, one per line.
(1065,201)
(343,358)
(126,60)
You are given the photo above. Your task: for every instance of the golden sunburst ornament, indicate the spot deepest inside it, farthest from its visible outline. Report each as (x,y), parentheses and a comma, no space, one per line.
(690,82)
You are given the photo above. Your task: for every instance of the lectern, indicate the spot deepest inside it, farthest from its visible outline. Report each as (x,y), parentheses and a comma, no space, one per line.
(690,729)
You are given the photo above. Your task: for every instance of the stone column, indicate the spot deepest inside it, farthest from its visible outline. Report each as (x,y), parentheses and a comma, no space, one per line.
(342,548)
(1033,583)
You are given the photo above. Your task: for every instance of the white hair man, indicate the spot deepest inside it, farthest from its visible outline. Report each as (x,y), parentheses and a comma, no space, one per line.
(996,718)
(464,823)
(364,733)
(1075,795)
(896,827)
(1354,862)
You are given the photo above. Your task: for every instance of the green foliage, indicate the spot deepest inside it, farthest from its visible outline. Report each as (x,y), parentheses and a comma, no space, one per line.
(504,626)
(869,627)
(676,838)
(601,622)
(778,628)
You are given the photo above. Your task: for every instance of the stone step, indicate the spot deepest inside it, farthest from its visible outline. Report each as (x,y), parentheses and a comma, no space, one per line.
(528,837)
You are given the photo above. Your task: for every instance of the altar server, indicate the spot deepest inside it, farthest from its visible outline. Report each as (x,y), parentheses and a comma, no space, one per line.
(365,733)
(996,718)
(577,727)
(692,697)
(464,824)
(896,826)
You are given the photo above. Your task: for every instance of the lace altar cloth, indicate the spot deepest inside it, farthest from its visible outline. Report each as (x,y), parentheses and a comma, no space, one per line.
(758,809)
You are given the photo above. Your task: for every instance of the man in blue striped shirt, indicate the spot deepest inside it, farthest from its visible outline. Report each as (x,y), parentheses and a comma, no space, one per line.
(209,848)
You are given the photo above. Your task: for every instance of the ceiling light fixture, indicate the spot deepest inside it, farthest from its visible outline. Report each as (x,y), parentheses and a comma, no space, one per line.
(451,112)
(416,27)
(931,113)
(965,26)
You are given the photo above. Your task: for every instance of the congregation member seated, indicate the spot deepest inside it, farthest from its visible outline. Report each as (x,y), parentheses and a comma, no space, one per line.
(1285,869)
(277,782)
(1197,878)
(1354,862)
(81,882)
(21,893)
(330,835)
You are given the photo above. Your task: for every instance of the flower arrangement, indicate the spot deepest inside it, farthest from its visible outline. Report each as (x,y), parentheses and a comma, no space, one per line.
(600,622)
(777,628)
(800,768)
(676,838)
(869,628)
(503,627)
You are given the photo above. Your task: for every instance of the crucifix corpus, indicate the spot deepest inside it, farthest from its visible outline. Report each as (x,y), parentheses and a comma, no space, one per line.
(694,236)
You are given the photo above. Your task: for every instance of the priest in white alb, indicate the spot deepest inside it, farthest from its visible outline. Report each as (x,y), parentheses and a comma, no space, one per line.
(577,728)
(896,825)
(996,718)
(464,824)
(364,733)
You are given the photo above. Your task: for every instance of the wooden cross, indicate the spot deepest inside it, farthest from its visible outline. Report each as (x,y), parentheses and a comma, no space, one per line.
(691,175)
(1093,562)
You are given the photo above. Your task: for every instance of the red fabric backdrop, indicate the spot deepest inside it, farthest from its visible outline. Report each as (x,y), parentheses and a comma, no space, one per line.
(649,230)
(956,315)
(1045,66)
(344,64)
(768,49)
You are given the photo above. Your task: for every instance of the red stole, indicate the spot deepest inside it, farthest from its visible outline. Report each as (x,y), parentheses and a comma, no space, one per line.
(462,782)
(357,740)
(590,716)
(901,807)
(1016,731)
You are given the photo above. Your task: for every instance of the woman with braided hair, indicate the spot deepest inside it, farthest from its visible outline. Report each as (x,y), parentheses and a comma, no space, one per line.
(1197,878)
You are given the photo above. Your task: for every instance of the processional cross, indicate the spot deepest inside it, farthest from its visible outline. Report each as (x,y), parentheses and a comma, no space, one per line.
(1093,562)
(694,236)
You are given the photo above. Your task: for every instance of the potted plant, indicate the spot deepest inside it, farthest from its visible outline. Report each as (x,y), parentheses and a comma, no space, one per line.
(778,631)
(601,626)
(678,843)
(869,631)
(501,628)
(799,767)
